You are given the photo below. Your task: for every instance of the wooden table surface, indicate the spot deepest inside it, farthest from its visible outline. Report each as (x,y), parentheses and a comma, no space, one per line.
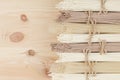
(37,32)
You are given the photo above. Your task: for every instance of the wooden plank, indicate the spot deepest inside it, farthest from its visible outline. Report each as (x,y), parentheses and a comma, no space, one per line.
(18,71)
(41,15)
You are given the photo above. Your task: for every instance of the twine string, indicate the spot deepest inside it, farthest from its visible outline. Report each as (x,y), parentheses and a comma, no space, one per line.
(92,23)
(89,64)
(103,8)
(102,47)
(86,53)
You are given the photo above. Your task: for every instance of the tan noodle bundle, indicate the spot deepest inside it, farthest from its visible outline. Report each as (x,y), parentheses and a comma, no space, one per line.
(82,17)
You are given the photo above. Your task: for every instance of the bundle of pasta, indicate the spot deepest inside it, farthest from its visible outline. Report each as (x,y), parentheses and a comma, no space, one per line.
(89,41)
(85,5)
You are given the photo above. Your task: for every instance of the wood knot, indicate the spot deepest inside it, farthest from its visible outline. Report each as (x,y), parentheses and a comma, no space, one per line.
(24,17)
(31,52)
(16,37)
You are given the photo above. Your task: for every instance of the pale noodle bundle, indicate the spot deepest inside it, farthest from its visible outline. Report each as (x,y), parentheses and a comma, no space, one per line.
(110,67)
(85,5)
(70,28)
(78,38)
(73,62)
(83,77)
(73,57)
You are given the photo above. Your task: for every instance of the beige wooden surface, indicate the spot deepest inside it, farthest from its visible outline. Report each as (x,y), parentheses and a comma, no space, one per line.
(41,16)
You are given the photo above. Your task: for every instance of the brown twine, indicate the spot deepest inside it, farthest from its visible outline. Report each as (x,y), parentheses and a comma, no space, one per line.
(91,70)
(103,8)
(86,53)
(92,30)
(102,47)
(91,67)
(90,64)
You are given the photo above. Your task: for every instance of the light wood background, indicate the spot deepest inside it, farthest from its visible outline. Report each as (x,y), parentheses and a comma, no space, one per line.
(41,16)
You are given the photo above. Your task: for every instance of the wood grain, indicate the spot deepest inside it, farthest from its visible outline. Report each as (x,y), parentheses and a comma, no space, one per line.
(41,16)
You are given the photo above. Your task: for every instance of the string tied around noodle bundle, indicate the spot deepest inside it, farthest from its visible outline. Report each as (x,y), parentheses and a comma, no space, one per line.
(102,47)
(92,23)
(90,64)
(103,8)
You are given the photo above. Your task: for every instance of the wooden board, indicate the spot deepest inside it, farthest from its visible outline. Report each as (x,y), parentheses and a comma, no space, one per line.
(41,16)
